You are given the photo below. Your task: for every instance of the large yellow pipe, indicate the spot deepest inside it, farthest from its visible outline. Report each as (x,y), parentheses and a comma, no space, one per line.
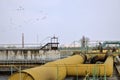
(68,66)
(84,69)
(50,71)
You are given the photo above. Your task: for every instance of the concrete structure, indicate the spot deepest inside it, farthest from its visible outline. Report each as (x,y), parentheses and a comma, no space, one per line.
(28,54)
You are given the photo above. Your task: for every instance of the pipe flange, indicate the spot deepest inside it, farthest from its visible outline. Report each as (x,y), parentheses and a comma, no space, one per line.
(84,57)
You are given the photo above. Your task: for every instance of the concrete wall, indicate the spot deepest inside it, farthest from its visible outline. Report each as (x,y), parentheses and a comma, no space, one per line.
(29,55)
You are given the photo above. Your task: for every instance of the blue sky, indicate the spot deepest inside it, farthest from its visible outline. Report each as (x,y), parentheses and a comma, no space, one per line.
(67,19)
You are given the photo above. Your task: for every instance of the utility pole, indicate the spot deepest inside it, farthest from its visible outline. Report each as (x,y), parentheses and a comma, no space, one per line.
(22,40)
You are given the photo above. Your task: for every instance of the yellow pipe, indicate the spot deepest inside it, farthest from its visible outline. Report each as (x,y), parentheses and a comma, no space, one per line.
(60,68)
(84,69)
(104,51)
(50,71)
(101,54)
(98,51)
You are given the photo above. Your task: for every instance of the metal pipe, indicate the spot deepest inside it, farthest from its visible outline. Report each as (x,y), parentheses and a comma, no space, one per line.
(58,70)
(55,70)
(84,69)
